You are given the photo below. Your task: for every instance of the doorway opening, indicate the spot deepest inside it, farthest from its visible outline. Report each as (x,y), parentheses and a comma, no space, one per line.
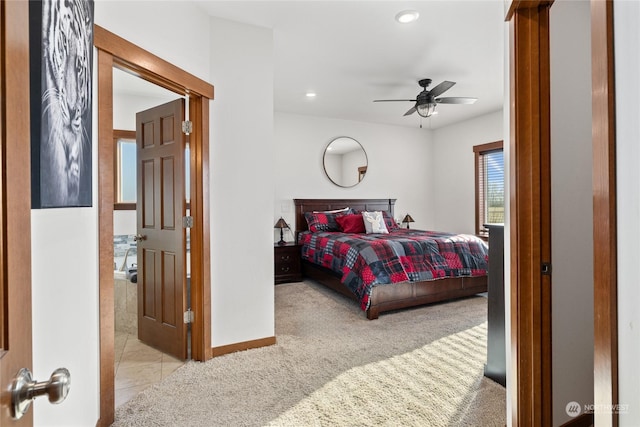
(139,361)
(115,52)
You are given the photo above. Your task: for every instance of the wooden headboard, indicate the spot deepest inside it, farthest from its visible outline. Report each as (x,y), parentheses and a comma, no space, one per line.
(310,205)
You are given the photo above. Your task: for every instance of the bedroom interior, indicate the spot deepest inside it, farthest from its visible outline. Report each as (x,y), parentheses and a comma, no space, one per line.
(419,138)
(295,142)
(292,159)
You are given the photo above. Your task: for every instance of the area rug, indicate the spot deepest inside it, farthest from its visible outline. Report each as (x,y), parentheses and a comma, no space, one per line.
(333,367)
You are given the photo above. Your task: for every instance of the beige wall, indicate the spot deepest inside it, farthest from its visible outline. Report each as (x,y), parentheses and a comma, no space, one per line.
(453,175)
(627,65)
(399,165)
(571,207)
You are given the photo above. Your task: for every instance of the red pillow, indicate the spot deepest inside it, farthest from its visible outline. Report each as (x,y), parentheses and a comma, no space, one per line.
(351,223)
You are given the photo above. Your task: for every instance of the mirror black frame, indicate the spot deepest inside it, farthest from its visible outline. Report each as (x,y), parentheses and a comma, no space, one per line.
(361,170)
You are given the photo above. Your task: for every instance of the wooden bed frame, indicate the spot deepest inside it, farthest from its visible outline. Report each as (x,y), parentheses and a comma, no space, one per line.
(384,297)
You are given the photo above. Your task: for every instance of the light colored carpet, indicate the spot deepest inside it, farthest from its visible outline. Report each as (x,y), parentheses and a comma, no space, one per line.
(333,367)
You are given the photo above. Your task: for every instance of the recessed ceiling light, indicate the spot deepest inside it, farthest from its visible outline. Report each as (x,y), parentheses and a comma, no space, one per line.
(407,16)
(311,94)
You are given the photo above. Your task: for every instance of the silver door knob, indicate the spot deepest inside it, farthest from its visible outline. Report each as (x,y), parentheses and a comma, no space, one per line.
(140,237)
(24,390)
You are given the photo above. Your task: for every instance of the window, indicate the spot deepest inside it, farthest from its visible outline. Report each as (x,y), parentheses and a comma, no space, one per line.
(489,159)
(125,170)
(125,176)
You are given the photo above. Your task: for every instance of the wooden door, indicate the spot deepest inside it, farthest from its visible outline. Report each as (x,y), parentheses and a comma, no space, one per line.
(15,215)
(161,250)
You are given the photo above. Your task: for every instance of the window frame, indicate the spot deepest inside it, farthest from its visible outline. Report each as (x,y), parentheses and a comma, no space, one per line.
(119,134)
(479,151)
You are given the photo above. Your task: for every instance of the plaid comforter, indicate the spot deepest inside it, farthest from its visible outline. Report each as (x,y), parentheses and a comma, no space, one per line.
(403,255)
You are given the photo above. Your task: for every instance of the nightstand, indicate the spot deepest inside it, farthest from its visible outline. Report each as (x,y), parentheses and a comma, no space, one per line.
(287,263)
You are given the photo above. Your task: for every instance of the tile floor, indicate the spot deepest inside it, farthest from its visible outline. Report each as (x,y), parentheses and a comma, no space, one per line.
(138,366)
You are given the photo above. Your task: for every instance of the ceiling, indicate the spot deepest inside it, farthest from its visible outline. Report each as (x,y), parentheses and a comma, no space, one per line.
(352,52)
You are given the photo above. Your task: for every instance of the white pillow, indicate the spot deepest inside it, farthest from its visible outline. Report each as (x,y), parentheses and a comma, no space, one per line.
(374,222)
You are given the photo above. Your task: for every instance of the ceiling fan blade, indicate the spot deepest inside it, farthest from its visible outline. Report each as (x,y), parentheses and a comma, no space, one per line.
(441,88)
(456,100)
(394,100)
(410,112)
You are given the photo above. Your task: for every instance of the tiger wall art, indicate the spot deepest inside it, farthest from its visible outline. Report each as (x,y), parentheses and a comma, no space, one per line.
(62,141)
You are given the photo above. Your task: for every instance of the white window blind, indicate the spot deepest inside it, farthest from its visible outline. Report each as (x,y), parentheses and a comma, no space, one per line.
(489,185)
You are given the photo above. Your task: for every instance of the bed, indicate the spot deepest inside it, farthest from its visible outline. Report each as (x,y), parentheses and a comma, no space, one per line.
(381,297)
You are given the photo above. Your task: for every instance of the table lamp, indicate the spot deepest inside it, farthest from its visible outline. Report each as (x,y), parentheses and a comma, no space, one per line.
(281,224)
(407,219)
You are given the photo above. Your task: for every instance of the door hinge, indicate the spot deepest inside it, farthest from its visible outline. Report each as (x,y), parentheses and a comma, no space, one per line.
(187,127)
(546,268)
(189,316)
(187,222)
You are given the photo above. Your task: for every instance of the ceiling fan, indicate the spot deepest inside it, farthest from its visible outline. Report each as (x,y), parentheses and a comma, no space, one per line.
(426,100)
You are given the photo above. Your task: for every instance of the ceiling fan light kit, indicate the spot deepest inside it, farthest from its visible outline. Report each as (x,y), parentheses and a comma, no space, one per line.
(426,110)
(426,101)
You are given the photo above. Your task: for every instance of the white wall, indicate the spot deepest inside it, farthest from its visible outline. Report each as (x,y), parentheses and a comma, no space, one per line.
(627,66)
(399,165)
(453,175)
(571,207)
(124,222)
(242,299)
(65,310)
(174,30)
(125,107)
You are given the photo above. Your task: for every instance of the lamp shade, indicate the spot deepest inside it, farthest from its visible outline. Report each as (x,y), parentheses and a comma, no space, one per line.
(407,218)
(281,224)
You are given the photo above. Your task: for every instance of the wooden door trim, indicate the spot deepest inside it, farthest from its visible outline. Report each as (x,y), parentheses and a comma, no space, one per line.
(106,198)
(140,62)
(114,51)
(604,213)
(530,214)
(200,248)
(15,180)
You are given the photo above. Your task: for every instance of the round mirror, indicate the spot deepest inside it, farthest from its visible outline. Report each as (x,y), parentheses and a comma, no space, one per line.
(345,162)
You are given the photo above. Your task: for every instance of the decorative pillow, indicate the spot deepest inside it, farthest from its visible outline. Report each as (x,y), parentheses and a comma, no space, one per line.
(389,222)
(320,221)
(352,223)
(374,222)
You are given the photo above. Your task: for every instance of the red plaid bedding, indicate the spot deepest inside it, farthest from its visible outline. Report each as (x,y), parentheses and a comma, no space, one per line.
(403,255)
